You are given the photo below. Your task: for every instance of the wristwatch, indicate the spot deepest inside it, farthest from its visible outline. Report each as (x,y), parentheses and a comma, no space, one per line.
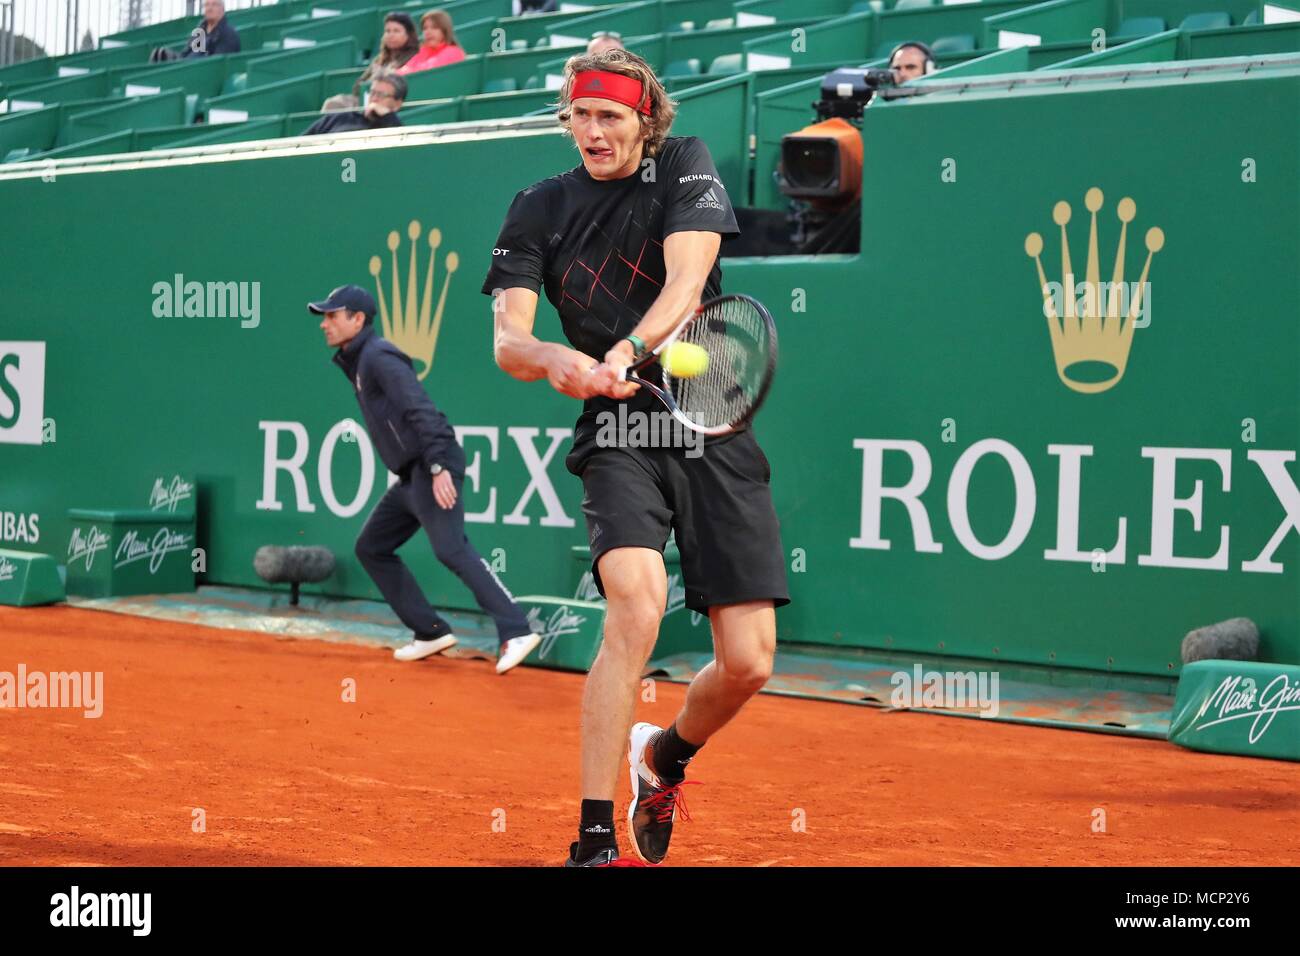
(435,470)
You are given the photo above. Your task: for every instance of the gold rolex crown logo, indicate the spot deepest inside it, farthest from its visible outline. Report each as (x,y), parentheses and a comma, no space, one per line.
(1081,330)
(414,331)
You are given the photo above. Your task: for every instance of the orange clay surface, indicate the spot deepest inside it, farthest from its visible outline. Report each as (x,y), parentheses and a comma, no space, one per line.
(253,730)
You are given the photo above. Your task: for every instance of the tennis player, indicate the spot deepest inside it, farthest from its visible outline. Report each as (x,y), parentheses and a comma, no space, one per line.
(625,245)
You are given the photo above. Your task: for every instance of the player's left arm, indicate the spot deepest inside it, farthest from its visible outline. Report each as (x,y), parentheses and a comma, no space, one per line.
(688,260)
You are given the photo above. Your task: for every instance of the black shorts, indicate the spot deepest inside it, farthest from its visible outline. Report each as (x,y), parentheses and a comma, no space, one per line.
(718,506)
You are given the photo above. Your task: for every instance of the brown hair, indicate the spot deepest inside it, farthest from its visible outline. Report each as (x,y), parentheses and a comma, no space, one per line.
(627,63)
(442,20)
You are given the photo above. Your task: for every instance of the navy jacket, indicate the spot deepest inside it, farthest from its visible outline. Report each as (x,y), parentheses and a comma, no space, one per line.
(404,425)
(352,120)
(222,39)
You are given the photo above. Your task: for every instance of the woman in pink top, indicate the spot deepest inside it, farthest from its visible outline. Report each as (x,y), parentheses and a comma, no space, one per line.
(440,46)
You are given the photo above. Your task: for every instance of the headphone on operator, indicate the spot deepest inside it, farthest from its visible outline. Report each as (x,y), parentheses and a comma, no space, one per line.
(918,45)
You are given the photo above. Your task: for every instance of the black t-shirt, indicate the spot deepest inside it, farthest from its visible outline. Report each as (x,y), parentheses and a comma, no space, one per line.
(350,120)
(596,247)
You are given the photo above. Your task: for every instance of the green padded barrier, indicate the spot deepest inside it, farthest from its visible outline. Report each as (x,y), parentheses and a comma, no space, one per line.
(144,140)
(95,85)
(1014,60)
(440,111)
(28,579)
(681,68)
(270,127)
(1154,49)
(131,551)
(1132,27)
(458,79)
(775,10)
(1238,707)
(30,129)
(637,19)
(1206,21)
(291,64)
(1243,41)
(164,109)
(571,631)
(296,95)
(123,141)
(205,75)
(364,27)
(537,27)
(30,71)
(503,105)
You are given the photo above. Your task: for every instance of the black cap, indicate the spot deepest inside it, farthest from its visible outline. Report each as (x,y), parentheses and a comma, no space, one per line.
(350,297)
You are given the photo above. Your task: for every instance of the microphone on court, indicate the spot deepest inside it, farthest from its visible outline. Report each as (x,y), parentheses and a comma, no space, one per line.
(1236,639)
(293,566)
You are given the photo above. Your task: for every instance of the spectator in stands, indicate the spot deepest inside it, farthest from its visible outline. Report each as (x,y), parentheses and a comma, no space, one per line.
(603,41)
(213,35)
(387,92)
(910,60)
(524,8)
(400,42)
(440,47)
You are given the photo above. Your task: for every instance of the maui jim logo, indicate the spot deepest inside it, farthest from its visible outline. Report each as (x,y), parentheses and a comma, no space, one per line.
(133,548)
(1237,698)
(7,569)
(561,621)
(168,496)
(86,545)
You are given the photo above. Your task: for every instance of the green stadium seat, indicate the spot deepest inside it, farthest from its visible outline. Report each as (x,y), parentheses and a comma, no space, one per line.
(1141,26)
(1206,21)
(957,43)
(542,42)
(1251,20)
(532,83)
(686,26)
(689,67)
(913,4)
(191,107)
(726,23)
(505,84)
(862,6)
(727,64)
(235,83)
(519,44)
(18,155)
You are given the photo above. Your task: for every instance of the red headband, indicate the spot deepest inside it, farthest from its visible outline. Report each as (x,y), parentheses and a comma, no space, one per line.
(611,86)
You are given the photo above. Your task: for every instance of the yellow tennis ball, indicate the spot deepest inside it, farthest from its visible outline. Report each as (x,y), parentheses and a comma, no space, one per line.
(684,360)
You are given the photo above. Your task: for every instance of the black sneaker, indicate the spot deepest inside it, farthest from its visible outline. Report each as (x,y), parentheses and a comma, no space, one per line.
(606,857)
(655,802)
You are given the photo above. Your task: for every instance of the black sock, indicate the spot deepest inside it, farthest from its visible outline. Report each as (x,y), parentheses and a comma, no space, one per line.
(670,754)
(596,831)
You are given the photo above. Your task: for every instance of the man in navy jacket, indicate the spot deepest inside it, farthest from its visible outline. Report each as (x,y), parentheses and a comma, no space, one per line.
(415,442)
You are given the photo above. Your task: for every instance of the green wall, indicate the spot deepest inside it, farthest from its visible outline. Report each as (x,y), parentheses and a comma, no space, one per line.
(935,332)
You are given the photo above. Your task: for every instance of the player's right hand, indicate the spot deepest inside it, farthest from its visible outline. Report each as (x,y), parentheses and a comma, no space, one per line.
(569,372)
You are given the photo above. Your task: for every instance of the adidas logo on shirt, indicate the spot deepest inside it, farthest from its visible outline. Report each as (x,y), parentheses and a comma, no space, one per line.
(709,200)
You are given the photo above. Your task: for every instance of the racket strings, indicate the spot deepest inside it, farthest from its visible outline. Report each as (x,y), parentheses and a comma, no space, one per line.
(738,343)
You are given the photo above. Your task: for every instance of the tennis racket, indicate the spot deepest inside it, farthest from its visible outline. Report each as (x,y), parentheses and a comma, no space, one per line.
(738,336)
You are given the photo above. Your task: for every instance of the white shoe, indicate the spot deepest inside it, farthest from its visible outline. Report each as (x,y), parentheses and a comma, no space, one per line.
(515,650)
(418,650)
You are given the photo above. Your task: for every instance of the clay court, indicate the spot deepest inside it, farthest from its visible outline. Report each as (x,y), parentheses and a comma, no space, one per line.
(254,731)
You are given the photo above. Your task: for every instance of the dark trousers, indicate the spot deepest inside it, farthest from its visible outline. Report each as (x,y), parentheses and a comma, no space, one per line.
(406,507)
